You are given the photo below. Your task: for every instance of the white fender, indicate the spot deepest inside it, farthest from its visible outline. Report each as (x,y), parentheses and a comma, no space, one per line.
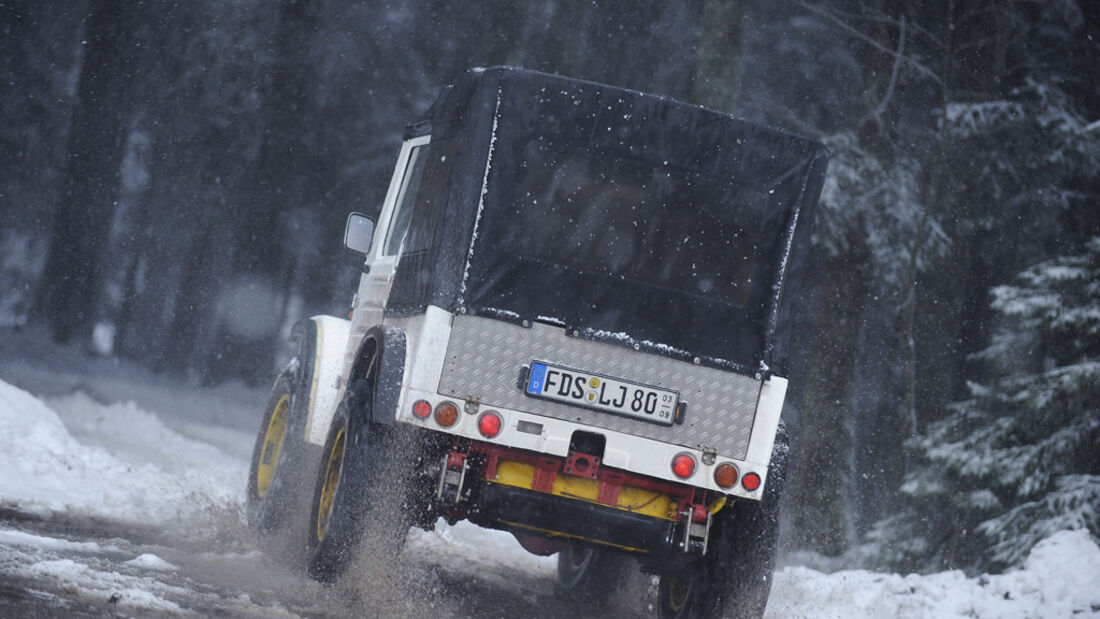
(324,387)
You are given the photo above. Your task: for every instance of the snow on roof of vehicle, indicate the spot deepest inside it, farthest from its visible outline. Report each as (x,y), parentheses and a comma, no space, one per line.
(612,210)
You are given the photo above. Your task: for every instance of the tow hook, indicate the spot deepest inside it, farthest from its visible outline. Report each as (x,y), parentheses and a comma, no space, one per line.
(696,523)
(452,477)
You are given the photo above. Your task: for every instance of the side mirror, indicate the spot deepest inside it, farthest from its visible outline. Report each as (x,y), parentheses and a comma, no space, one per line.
(359,233)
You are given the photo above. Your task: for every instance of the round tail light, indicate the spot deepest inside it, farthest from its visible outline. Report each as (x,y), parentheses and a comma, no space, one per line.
(725,475)
(489,424)
(421,409)
(683,465)
(751,481)
(446,414)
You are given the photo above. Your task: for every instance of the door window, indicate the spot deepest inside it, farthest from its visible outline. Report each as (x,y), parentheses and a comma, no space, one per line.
(406,198)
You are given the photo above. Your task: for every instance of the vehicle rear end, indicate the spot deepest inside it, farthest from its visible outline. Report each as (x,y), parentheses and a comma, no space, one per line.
(562,436)
(595,293)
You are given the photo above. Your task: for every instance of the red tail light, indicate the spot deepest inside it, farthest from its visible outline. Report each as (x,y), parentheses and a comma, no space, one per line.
(683,465)
(751,481)
(421,409)
(725,475)
(489,424)
(446,414)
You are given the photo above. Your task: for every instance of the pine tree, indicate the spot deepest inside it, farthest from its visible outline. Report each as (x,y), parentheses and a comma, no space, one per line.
(1017,460)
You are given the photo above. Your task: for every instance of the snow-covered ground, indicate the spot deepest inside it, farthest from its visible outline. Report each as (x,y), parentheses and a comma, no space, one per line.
(74,464)
(115,461)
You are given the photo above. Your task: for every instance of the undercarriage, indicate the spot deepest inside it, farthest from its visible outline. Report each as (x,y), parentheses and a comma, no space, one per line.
(548,502)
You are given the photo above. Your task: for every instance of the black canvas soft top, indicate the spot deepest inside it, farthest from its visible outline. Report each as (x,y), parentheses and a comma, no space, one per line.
(618,215)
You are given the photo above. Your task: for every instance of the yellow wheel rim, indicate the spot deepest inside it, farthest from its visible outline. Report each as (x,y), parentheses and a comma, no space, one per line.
(332,480)
(273,445)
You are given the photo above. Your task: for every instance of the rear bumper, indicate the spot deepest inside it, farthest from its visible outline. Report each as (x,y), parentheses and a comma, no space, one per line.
(561,500)
(508,507)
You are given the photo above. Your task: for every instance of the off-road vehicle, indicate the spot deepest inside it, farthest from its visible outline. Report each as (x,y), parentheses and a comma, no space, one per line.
(572,325)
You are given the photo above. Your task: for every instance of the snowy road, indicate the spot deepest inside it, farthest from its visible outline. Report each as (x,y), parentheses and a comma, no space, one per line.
(109,509)
(105,509)
(85,568)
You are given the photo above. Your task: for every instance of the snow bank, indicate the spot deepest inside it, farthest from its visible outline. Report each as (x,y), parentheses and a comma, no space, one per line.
(134,468)
(1059,579)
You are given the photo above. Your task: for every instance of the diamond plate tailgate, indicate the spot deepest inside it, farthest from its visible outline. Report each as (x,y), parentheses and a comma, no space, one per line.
(485,357)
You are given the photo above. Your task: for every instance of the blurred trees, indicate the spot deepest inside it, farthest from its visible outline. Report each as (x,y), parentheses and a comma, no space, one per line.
(216,148)
(174,177)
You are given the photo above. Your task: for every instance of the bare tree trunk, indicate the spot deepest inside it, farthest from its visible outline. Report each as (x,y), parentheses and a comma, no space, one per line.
(287,175)
(283,176)
(122,249)
(910,292)
(70,280)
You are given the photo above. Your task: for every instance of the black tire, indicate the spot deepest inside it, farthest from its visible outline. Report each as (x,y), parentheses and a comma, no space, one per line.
(282,461)
(334,527)
(362,490)
(588,573)
(734,579)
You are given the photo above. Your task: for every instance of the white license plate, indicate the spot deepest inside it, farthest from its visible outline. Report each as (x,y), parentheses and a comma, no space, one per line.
(602,393)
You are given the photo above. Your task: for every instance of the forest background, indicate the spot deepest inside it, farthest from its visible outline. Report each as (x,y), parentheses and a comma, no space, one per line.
(174,179)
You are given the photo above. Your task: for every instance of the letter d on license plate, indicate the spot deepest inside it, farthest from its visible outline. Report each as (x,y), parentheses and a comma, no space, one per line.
(601,393)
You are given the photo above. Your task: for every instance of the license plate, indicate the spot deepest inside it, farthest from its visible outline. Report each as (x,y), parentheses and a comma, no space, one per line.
(602,393)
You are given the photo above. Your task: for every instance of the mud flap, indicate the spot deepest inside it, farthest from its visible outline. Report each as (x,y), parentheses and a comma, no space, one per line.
(389,342)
